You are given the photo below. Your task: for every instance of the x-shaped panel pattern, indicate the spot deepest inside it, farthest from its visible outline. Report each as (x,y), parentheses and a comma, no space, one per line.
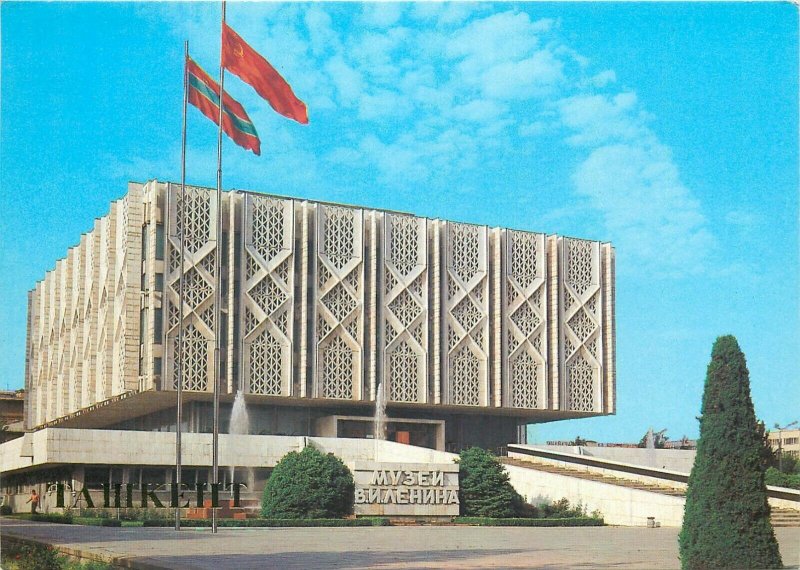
(466,317)
(581,324)
(105,312)
(405,308)
(339,295)
(267,295)
(197,227)
(525,319)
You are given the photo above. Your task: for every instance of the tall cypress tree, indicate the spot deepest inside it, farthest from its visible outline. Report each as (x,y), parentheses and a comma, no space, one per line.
(726,519)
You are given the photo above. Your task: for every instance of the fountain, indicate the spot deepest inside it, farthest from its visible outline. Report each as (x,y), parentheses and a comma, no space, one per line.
(240,422)
(650,445)
(379,423)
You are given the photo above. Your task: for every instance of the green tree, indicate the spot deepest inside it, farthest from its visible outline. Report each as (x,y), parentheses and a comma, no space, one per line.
(726,519)
(484,488)
(308,484)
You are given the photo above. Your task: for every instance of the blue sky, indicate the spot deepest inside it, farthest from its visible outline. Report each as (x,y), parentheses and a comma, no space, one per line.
(668,129)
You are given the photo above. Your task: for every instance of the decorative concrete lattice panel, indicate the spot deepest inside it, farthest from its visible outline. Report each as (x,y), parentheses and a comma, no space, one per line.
(267,294)
(525,319)
(198,232)
(581,324)
(339,302)
(467,315)
(465,378)
(195,359)
(526,380)
(581,378)
(405,307)
(337,369)
(404,374)
(266,355)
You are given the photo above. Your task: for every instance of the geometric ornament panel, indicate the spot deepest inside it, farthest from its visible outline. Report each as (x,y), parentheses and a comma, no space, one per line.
(467,314)
(405,307)
(581,324)
(525,357)
(339,302)
(192,222)
(266,301)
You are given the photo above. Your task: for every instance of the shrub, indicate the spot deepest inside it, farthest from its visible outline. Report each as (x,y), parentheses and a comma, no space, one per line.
(488,521)
(52,518)
(30,556)
(726,518)
(562,509)
(5,510)
(308,484)
(367,521)
(780,479)
(484,489)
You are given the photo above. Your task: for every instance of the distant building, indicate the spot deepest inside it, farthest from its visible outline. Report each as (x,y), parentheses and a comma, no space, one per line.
(11,414)
(786,441)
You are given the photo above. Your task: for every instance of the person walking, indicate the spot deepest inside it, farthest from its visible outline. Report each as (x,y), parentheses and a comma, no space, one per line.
(34,501)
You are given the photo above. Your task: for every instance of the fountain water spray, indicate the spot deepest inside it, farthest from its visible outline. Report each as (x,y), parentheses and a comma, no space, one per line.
(650,445)
(240,420)
(379,424)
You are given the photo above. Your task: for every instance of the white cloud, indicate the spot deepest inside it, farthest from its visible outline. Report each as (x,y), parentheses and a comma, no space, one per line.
(743,219)
(603,78)
(597,119)
(349,83)
(531,129)
(478,110)
(651,215)
(446,13)
(321,35)
(382,14)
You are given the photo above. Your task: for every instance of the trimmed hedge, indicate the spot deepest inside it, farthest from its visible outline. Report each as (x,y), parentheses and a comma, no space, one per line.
(368,521)
(309,484)
(97,521)
(48,517)
(489,521)
(484,488)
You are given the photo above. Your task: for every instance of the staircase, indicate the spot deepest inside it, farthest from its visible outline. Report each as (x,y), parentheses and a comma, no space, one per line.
(780,517)
(785,517)
(592,476)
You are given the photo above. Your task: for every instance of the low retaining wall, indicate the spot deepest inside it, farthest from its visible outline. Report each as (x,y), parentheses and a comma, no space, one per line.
(778,497)
(619,505)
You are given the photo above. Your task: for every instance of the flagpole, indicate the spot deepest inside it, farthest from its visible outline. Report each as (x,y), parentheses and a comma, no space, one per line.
(179,359)
(218,279)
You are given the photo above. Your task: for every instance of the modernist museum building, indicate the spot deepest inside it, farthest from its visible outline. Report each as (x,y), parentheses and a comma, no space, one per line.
(471,332)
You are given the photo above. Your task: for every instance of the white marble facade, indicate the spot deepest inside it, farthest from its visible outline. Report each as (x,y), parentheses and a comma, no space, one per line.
(323,301)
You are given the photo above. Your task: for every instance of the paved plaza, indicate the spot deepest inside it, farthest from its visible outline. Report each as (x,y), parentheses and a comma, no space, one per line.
(378,547)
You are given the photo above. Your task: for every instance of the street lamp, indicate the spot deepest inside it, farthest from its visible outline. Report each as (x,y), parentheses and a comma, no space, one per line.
(780,442)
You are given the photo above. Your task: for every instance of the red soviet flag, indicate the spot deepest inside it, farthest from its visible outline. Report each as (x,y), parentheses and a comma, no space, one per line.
(242,60)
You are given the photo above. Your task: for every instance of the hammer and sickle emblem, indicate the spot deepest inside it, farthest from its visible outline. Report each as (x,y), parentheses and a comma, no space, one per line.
(238,51)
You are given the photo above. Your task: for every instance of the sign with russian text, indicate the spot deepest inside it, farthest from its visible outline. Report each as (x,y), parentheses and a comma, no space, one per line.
(405,489)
